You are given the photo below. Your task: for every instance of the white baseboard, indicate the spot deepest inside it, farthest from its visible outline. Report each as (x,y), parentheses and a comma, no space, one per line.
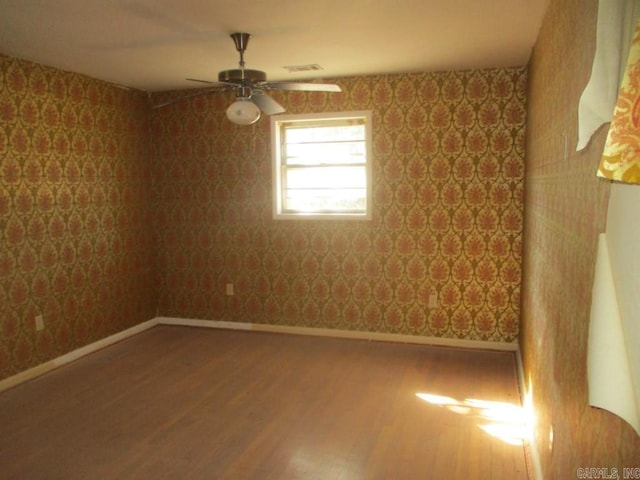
(74,355)
(525,398)
(328,332)
(323,332)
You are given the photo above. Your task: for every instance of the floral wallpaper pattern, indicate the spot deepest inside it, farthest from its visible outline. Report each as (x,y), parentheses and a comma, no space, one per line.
(447,213)
(621,157)
(112,213)
(75,212)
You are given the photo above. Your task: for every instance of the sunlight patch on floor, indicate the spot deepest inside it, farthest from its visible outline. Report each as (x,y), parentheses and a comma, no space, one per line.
(506,421)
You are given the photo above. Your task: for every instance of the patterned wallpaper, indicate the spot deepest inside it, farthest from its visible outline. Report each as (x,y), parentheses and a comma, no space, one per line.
(111,213)
(565,209)
(75,212)
(447,213)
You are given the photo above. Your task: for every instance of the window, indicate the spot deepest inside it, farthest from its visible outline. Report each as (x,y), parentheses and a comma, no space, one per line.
(322,165)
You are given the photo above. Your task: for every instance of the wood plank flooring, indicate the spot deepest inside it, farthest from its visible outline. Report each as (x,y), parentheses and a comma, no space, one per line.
(196,403)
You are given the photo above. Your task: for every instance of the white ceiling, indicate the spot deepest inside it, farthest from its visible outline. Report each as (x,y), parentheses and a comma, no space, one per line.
(156,44)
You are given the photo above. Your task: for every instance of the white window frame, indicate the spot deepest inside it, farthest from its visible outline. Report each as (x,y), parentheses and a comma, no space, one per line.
(278,123)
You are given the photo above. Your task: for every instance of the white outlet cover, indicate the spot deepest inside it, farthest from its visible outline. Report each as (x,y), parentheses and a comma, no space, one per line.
(433,300)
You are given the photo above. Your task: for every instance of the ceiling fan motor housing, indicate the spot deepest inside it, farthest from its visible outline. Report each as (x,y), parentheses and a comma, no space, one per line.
(242,76)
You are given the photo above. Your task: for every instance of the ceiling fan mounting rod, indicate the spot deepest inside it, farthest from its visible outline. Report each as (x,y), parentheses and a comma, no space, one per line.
(241,62)
(241,40)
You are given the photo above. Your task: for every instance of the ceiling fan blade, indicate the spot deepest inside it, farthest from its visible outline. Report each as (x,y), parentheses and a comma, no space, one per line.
(307,87)
(211,82)
(184,97)
(265,103)
(198,80)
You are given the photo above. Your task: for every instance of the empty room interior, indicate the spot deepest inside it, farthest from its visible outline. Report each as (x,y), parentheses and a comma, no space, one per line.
(319,240)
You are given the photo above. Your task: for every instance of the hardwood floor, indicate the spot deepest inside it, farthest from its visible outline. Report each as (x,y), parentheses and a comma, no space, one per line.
(195,403)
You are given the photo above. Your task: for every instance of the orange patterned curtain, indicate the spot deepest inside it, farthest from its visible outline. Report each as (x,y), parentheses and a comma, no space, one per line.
(621,157)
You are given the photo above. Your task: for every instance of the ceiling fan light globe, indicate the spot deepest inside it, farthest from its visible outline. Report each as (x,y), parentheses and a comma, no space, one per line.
(243,112)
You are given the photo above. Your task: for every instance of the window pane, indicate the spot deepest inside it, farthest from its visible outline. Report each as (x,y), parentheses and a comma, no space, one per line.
(325,177)
(322,165)
(345,200)
(326,153)
(311,134)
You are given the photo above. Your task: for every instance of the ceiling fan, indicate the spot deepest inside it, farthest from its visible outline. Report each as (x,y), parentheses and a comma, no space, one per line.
(251,87)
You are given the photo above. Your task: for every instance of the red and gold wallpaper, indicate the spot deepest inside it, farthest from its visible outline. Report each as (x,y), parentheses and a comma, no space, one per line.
(76,243)
(448,157)
(565,210)
(113,213)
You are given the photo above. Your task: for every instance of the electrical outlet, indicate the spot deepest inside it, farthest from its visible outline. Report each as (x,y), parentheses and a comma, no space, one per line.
(433,300)
(39,323)
(229,288)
